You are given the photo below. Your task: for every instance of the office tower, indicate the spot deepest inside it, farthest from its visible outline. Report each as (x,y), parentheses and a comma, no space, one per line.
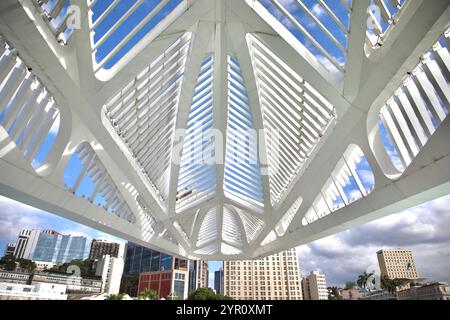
(198,275)
(58,248)
(10,248)
(275,277)
(314,286)
(110,268)
(100,248)
(172,279)
(26,242)
(151,269)
(397,264)
(218,281)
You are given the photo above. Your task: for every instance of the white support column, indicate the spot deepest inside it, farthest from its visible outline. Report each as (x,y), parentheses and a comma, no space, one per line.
(201,38)
(355,48)
(220,102)
(243,55)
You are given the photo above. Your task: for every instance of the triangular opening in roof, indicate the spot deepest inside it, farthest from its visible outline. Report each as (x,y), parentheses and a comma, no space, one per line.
(242,176)
(197,177)
(143,113)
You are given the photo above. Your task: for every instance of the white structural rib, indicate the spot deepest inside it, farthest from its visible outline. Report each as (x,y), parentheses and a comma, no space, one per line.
(419,105)
(242,177)
(58,18)
(144,112)
(29,112)
(94,170)
(383,16)
(321,29)
(295,116)
(348,183)
(115,20)
(197,181)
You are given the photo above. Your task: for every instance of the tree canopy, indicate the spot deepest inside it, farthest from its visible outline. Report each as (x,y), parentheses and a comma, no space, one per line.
(10,263)
(86,267)
(148,294)
(206,294)
(334,294)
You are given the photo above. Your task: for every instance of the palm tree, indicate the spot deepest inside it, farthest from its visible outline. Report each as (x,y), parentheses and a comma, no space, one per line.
(173,296)
(363,279)
(391,285)
(148,294)
(118,296)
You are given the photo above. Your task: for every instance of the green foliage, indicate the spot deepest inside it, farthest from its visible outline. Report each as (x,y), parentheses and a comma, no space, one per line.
(363,279)
(148,294)
(8,262)
(334,294)
(129,284)
(173,296)
(119,296)
(26,264)
(86,267)
(206,294)
(391,285)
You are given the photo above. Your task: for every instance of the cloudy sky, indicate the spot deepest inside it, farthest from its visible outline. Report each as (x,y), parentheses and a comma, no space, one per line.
(15,216)
(424,229)
(342,257)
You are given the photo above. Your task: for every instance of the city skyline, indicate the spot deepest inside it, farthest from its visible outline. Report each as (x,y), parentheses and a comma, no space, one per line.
(342,257)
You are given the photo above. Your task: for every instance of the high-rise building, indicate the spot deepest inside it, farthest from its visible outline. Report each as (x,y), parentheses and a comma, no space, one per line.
(150,269)
(172,281)
(274,277)
(397,264)
(198,275)
(10,248)
(218,281)
(100,248)
(110,269)
(27,241)
(58,248)
(314,286)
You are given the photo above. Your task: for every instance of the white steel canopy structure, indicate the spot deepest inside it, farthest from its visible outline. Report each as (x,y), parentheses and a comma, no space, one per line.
(224,129)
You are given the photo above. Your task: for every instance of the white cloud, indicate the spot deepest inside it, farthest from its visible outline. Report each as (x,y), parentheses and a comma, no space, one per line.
(318,10)
(15,216)
(342,257)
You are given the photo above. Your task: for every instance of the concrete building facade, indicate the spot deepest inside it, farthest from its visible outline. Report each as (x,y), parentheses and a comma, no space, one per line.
(40,291)
(314,286)
(432,291)
(171,281)
(110,268)
(351,294)
(100,248)
(26,243)
(10,248)
(397,264)
(198,275)
(274,277)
